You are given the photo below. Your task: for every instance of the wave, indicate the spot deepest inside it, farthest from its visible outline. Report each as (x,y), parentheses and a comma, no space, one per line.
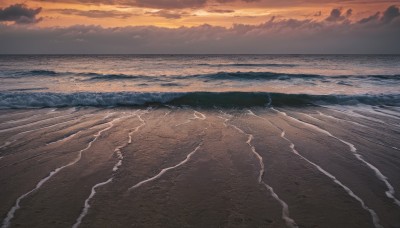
(27,89)
(200,99)
(248,65)
(212,76)
(110,77)
(285,76)
(41,73)
(257,76)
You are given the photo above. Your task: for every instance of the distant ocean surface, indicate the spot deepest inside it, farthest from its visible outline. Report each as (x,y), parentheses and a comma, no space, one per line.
(200,80)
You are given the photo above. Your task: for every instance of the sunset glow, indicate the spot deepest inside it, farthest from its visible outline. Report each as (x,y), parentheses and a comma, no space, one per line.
(172,15)
(199,26)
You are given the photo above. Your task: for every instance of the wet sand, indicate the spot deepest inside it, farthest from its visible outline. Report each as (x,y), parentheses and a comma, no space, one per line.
(184,167)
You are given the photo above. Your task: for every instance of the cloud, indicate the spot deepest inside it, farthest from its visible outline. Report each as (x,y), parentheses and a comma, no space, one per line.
(170,4)
(337,15)
(178,4)
(220,11)
(388,16)
(20,14)
(229,1)
(95,13)
(349,12)
(391,13)
(278,36)
(168,14)
(371,18)
(155,4)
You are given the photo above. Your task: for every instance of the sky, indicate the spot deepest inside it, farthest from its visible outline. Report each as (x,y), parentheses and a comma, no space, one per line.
(199,27)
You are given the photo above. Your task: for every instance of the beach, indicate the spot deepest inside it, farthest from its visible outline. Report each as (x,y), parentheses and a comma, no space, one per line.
(259,167)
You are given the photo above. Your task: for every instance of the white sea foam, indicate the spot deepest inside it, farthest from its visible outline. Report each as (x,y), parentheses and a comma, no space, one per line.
(338,119)
(360,125)
(139,116)
(10,214)
(7,143)
(65,138)
(51,126)
(32,123)
(183,123)
(76,133)
(374,216)
(87,205)
(389,193)
(285,208)
(120,157)
(388,110)
(352,113)
(48,99)
(383,113)
(199,115)
(167,113)
(27,118)
(166,169)
(21,120)
(196,115)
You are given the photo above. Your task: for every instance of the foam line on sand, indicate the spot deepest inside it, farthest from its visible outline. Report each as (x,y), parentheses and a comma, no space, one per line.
(8,143)
(360,125)
(77,132)
(11,213)
(196,115)
(390,190)
(18,120)
(166,169)
(33,123)
(285,208)
(120,157)
(374,216)
(87,205)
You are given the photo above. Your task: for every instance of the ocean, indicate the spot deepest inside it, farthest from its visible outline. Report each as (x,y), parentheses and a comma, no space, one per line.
(200,141)
(128,80)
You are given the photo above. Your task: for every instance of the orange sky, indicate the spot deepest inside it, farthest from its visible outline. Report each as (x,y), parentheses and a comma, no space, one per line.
(120,13)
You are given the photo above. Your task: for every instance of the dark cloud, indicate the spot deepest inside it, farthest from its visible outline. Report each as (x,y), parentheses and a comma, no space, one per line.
(168,14)
(20,14)
(371,18)
(95,13)
(221,11)
(391,13)
(228,1)
(349,12)
(336,15)
(170,4)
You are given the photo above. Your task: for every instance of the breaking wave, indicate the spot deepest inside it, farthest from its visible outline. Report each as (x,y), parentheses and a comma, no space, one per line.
(200,99)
